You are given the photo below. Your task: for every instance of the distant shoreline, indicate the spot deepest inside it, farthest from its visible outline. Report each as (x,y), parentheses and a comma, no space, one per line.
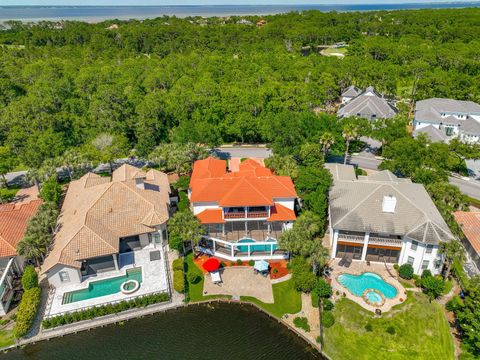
(102,13)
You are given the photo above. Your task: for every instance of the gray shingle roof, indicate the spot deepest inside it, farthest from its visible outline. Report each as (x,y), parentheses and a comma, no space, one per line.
(356,205)
(431,109)
(367,105)
(434,134)
(351,91)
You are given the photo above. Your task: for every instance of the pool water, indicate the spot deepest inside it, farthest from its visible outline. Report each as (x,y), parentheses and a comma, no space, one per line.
(103,287)
(256,247)
(357,284)
(373,297)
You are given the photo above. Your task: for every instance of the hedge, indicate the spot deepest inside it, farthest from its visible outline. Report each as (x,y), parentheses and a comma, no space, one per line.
(26,311)
(327,319)
(29,278)
(178,281)
(177,264)
(103,310)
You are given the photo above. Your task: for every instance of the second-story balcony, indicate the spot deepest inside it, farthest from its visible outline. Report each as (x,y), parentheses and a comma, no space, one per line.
(246,213)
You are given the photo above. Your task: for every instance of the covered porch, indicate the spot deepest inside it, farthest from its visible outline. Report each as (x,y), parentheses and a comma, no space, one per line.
(9,283)
(367,246)
(233,231)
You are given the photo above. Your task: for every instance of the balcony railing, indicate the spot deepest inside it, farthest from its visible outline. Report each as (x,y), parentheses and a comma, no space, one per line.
(351,238)
(248,215)
(374,240)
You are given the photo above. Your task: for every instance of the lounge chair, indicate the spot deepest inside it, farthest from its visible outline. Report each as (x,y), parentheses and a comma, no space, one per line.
(342,261)
(348,262)
(216,278)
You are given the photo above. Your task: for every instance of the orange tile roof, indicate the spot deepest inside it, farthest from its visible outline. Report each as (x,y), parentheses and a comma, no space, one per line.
(252,185)
(470,224)
(13,223)
(281,213)
(211,216)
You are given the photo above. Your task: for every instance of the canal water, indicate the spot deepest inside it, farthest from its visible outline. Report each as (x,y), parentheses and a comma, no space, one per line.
(214,331)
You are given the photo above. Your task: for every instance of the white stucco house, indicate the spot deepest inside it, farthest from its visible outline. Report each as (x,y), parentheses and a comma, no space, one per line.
(383,218)
(445,119)
(244,211)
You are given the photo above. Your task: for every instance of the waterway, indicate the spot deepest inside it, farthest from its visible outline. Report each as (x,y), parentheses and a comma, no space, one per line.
(214,331)
(100,13)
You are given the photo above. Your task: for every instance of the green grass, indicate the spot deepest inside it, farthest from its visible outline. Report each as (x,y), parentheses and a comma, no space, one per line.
(314,298)
(329,51)
(406,284)
(421,332)
(301,323)
(287,300)
(7,194)
(474,202)
(195,291)
(6,338)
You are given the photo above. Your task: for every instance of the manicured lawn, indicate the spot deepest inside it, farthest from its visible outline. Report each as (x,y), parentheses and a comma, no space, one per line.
(421,332)
(330,51)
(6,338)
(287,300)
(195,291)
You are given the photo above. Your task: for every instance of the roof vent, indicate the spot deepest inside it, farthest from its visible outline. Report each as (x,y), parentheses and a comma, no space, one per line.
(389,203)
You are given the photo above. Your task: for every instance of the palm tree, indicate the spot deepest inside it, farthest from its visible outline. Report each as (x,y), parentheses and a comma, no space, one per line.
(453,251)
(326,140)
(31,248)
(349,133)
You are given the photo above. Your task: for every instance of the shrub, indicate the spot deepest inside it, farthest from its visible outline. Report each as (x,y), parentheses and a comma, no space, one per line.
(426,273)
(29,278)
(51,191)
(433,286)
(396,266)
(239,262)
(406,271)
(454,304)
(368,327)
(318,339)
(251,263)
(222,264)
(391,330)
(177,264)
(193,278)
(303,277)
(323,289)
(275,271)
(327,305)
(26,312)
(97,311)
(178,281)
(328,319)
(182,183)
(302,323)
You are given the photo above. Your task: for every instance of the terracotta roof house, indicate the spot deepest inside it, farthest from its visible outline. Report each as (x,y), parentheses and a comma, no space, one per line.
(469,222)
(13,223)
(366,104)
(243,211)
(383,218)
(452,118)
(104,222)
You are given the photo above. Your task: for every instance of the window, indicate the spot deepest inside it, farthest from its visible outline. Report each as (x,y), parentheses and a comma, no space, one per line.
(64,276)
(410,260)
(414,245)
(425,264)
(429,249)
(157,238)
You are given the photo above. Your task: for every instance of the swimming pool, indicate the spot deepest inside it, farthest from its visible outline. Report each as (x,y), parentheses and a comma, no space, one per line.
(257,247)
(103,287)
(357,284)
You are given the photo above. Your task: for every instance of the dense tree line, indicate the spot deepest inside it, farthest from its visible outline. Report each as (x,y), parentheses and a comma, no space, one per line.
(214,80)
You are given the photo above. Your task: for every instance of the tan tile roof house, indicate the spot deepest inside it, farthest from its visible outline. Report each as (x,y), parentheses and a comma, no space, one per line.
(97,212)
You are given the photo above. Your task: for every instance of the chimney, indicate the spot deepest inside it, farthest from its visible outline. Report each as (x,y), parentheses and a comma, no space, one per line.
(389,203)
(140,183)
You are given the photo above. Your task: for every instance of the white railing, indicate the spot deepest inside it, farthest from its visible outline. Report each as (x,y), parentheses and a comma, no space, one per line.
(351,238)
(374,240)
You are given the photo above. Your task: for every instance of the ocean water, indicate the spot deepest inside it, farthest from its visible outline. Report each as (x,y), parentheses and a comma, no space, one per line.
(100,13)
(204,332)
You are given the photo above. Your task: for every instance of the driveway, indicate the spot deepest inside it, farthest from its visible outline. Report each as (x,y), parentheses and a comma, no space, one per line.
(240,281)
(226,152)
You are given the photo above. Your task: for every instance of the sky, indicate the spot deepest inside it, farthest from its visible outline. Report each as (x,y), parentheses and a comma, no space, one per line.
(211,2)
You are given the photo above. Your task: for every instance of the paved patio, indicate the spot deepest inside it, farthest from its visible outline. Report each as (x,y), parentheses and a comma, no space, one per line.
(240,281)
(359,267)
(154,279)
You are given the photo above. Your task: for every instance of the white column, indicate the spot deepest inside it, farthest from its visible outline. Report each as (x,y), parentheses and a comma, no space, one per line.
(232,252)
(271,250)
(214,247)
(402,252)
(365,246)
(248,250)
(115,261)
(424,246)
(334,243)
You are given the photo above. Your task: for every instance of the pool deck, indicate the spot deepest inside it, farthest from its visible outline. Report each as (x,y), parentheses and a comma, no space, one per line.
(360,267)
(154,279)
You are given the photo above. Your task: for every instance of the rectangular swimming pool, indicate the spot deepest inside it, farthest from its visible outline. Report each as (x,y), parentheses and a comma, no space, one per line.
(102,287)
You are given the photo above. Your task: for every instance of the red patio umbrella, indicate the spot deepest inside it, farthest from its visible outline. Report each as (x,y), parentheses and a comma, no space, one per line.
(211,264)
